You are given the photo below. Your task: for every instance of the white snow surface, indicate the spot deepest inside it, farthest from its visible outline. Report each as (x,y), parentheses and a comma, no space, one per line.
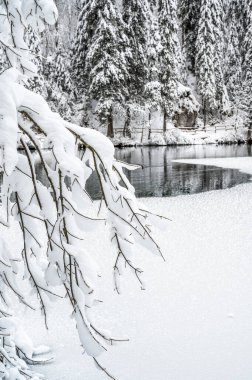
(244,164)
(193,322)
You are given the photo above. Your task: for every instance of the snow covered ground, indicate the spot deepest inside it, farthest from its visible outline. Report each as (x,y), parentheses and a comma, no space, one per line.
(175,136)
(193,322)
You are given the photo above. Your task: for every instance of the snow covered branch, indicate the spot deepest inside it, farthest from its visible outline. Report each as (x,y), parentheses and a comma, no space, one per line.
(55,213)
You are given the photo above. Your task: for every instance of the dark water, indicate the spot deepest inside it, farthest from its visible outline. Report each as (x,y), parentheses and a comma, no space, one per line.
(160,177)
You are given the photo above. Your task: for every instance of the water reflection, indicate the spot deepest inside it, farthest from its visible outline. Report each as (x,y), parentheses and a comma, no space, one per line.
(160,177)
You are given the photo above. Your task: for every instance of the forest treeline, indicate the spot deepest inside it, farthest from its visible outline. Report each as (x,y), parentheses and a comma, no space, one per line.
(108,57)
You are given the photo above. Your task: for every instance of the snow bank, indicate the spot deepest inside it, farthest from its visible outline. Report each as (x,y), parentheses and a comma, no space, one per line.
(176,136)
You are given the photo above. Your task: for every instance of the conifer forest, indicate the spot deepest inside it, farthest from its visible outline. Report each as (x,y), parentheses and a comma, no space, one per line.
(131,68)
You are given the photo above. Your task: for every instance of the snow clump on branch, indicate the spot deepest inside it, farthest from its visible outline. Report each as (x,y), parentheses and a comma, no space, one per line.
(53,216)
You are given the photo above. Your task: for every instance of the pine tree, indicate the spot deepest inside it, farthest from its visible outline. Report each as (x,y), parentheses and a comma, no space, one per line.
(212,35)
(244,8)
(209,58)
(136,18)
(204,64)
(222,99)
(83,36)
(33,41)
(152,92)
(99,58)
(189,15)
(169,56)
(233,61)
(61,75)
(152,88)
(247,67)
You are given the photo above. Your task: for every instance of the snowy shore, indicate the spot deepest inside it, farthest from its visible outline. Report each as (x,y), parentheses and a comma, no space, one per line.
(175,136)
(194,320)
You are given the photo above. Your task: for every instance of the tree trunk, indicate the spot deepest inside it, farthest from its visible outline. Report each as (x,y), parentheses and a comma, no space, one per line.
(126,130)
(49,94)
(110,130)
(164,121)
(205,113)
(249,138)
(149,134)
(236,117)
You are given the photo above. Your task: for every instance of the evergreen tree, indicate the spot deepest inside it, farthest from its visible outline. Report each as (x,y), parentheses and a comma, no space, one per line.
(153,86)
(137,19)
(236,10)
(36,83)
(222,99)
(210,58)
(149,57)
(247,66)
(244,8)
(169,56)
(204,65)
(189,15)
(233,74)
(61,75)
(99,58)
(84,34)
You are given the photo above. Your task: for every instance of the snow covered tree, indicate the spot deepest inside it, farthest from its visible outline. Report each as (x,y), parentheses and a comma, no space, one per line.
(169,56)
(34,44)
(87,18)
(233,57)
(246,65)
(152,92)
(106,63)
(58,89)
(222,98)
(209,58)
(136,18)
(136,26)
(54,216)
(102,58)
(61,75)
(83,36)
(205,46)
(189,11)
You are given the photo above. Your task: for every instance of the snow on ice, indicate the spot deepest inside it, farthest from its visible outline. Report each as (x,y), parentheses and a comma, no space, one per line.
(194,319)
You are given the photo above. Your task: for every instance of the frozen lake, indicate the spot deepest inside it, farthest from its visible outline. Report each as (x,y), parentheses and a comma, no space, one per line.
(193,321)
(161,177)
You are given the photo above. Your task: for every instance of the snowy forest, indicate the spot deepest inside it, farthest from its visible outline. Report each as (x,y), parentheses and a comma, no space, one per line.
(131,68)
(125,167)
